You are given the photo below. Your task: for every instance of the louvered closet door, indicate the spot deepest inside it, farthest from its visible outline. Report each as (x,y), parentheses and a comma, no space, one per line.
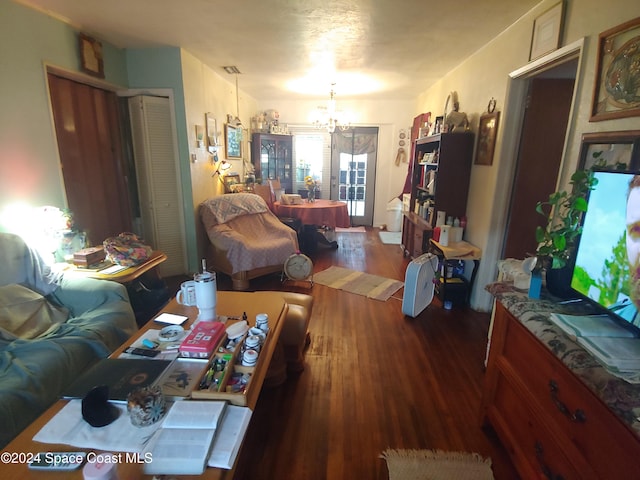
(158,180)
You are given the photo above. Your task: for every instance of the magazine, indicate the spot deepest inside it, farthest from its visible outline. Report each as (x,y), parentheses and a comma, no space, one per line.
(590,326)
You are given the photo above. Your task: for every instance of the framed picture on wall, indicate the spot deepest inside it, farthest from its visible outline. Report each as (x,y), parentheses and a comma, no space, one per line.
(546,32)
(233,136)
(611,150)
(616,90)
(487,131)
(91,61)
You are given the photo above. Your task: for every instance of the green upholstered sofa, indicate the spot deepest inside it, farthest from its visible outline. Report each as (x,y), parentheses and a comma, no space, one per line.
(51,329)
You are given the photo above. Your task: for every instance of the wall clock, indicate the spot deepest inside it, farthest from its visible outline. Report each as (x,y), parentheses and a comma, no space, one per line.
(91,56)
(299,267)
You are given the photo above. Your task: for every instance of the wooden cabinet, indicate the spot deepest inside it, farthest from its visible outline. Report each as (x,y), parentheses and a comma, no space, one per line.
(273,159)
(551,423)
(439,183)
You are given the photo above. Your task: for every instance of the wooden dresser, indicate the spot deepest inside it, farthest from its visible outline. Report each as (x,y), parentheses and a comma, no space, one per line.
(558,412)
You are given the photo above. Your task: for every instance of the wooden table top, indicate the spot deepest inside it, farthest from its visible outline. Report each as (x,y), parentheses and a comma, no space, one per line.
(231,304)
(124,276)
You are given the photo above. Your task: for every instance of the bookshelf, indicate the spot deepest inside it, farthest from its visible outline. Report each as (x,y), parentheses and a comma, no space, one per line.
(441,169)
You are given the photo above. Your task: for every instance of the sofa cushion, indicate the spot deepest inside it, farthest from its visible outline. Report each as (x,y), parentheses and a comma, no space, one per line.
(27,314)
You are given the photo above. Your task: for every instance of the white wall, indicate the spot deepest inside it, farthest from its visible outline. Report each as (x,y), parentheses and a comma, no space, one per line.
(389,116)
(485,75)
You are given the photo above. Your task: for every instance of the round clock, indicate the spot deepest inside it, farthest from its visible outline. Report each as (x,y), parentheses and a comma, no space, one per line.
(298,267)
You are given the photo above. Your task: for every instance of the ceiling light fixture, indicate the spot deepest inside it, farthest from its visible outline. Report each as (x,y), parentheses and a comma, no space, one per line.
(327,117)
(236,122)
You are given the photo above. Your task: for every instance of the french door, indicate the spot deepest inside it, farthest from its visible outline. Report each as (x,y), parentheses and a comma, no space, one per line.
(353,171)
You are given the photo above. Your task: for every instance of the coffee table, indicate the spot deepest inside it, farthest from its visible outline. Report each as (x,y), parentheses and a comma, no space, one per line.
(228,304)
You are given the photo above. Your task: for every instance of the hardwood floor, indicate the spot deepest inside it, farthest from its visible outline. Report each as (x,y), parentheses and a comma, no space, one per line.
(374,379)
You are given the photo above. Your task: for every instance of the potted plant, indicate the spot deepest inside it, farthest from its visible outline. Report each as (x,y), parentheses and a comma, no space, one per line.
(557,239)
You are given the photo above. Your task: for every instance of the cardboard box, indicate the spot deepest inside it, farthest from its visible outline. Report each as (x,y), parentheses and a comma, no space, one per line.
(203,340)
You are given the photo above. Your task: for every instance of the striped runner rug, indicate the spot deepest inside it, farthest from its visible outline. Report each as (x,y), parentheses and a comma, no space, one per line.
(370,286)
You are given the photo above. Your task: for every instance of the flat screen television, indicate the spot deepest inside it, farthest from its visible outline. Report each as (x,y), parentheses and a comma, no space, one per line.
(601,272)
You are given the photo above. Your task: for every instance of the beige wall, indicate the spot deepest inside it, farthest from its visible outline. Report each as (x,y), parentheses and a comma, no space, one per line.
(205,90)
(485,75)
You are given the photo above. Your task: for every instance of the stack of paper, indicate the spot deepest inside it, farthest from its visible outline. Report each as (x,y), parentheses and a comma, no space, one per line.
(619,353)
(183,444)
(590,326)
(610,343)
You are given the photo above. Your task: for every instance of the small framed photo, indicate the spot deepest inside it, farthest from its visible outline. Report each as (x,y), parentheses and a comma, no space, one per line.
(231,183)
(487,132)
(546,31)
(212,131)
(616,89)
(233,136)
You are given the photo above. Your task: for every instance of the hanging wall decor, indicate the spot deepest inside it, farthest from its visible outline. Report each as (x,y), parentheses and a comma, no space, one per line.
(487,132)
(616,91)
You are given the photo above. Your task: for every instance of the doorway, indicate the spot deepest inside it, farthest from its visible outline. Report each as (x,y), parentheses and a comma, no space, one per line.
(354,154)
(542,138)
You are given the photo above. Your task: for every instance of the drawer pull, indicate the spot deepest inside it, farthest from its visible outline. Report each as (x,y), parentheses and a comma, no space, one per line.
(546,470)
(578,416)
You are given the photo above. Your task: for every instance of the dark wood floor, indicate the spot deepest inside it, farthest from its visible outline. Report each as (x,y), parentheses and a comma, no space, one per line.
(374,379)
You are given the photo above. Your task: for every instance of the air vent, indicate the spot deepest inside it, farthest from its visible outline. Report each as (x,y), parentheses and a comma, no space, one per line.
(231,69)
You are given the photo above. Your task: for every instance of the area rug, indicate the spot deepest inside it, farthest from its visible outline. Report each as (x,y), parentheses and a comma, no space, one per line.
(370,286)
(436,465)
(391,238)
(359,229)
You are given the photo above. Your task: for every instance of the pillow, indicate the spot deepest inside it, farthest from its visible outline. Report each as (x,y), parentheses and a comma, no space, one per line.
(26,314)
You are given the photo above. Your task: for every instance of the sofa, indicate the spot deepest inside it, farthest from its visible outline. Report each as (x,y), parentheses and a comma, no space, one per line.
(245,239)
(51,329)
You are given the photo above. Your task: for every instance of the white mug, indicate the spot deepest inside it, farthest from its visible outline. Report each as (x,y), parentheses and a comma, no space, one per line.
(187,294)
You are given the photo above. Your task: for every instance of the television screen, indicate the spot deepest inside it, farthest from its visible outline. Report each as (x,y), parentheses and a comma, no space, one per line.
(603,262)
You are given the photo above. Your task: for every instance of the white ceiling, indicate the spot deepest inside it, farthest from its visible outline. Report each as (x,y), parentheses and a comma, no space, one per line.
(283,48)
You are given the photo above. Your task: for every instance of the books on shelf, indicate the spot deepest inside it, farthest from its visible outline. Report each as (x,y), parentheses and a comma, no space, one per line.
(183,444)
(610,343)
(227,441)
(121,375)
(590,326)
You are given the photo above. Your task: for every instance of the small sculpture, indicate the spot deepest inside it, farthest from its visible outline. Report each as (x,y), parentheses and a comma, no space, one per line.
(455,121)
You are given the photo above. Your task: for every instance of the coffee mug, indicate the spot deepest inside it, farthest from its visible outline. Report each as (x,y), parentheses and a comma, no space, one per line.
(187,294)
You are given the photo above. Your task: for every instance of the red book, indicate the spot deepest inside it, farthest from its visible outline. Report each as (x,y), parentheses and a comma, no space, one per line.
(203,340)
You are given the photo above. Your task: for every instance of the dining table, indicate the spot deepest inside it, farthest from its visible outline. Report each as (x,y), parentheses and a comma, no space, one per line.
(320,213)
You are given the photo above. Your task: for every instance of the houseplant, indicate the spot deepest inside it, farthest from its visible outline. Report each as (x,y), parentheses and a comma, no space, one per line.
(557,239)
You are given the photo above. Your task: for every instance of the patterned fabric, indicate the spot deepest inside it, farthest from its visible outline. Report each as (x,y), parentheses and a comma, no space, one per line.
(619,391)
(227,207)
(250,240)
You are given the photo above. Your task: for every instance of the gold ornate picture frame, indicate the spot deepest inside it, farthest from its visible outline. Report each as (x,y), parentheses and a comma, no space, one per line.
(616,90)
(487,133)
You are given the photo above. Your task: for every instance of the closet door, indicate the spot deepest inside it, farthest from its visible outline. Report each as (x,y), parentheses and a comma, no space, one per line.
(158,179)
(95,177)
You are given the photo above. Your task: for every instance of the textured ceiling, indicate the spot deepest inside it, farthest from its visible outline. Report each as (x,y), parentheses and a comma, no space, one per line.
(283,48)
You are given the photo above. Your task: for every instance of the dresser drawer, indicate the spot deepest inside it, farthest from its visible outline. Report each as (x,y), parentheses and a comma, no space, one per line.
(532,443)
(611,449)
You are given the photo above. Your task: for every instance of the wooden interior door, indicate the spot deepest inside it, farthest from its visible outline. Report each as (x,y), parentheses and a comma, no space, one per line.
(543,134)
(89,144)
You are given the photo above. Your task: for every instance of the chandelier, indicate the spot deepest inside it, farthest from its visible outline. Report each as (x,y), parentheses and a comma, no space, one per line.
(328,117)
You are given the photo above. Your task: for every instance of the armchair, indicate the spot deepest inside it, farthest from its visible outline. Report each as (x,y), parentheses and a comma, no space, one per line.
(246,240)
